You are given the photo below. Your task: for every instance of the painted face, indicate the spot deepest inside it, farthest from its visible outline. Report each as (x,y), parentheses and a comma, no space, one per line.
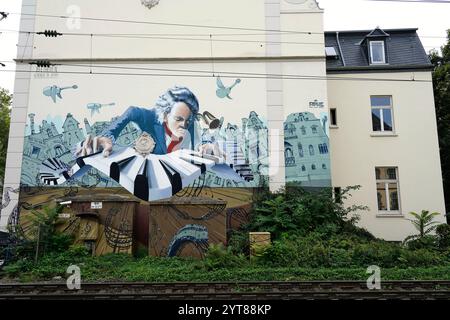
(178,119)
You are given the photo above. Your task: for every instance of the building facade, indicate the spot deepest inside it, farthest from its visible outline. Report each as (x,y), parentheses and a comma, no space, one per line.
(303,106)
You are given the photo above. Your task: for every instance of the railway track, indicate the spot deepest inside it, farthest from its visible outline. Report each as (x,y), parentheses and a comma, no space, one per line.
(304,290)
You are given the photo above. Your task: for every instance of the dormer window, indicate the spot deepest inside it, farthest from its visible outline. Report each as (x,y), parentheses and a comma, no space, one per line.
(377,53)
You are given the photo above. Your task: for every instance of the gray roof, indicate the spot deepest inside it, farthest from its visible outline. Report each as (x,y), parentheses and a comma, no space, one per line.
(403,47)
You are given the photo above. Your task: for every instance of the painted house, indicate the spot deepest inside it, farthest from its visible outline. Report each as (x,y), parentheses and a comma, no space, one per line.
(309,107)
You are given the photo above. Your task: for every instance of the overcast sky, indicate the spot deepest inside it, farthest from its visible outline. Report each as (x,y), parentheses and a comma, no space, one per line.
(432,19)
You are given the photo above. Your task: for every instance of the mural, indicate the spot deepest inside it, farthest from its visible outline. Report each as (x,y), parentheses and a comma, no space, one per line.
(55,91)
(224,92)
(306,150)
(154,153)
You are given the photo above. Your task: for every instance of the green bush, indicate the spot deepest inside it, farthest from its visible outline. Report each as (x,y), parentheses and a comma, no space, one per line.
(443,236)
(218,257)
(298,211)
(421,258)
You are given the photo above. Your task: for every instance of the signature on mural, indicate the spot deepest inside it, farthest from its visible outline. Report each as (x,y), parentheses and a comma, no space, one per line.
(150,3)
(95,107)
(223,91)
(316,104)
(55,91)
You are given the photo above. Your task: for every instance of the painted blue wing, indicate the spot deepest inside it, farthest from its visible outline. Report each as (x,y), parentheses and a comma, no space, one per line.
(220,83)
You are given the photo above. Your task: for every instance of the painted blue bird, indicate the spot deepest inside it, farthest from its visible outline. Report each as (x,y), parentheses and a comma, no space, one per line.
(223,91)
(55,91)
(95,107)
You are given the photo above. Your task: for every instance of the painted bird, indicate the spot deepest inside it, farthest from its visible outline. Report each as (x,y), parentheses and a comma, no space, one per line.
(223,91)
(55,91)
(95,107)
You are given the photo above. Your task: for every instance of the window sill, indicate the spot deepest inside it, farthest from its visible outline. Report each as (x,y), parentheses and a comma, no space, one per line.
(384,134)
(393,214)
(334,127)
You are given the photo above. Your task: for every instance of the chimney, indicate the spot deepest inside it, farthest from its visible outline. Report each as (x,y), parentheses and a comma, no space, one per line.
(31,116)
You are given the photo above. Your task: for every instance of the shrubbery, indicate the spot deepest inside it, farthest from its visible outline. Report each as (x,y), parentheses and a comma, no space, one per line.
(313,237)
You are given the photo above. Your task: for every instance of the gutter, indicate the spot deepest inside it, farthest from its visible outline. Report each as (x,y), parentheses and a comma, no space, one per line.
(361,69)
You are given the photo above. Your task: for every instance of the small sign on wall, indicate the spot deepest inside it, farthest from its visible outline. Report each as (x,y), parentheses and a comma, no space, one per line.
(96,205)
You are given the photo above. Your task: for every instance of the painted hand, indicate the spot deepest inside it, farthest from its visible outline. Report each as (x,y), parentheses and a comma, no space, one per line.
(212,149)
(94,144)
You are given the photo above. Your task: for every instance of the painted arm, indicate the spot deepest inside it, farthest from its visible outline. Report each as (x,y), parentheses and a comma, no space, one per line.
(132,114)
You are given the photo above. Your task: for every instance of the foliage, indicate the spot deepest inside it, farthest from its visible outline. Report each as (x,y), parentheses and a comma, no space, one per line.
(5,117)
(420,265)
(218,256)
(443,236)
(295,210)
(441,84)
(42,231)
(424,224)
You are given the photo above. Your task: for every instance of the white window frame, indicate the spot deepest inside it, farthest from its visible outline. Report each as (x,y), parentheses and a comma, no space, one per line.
(386,183)
(390,107)
(371,53)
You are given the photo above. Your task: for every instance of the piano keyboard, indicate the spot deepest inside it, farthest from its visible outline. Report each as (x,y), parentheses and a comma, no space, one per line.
(151,177)
(54,172)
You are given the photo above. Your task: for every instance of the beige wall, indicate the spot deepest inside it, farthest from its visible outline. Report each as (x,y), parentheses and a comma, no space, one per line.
(245,37)
(413,149)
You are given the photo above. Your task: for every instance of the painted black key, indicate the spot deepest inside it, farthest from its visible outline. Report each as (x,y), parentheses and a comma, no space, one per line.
(174,177)
(116,167)
(141,186)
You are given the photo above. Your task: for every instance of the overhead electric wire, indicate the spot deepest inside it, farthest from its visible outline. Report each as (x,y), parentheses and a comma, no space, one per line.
(261,76)
(143,35)
(210,38)
(414,1)
(162,23)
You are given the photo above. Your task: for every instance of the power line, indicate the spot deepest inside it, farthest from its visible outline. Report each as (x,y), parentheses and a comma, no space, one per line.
(415,1)
(142,35)
(262,77)
(127,36)
(164,23)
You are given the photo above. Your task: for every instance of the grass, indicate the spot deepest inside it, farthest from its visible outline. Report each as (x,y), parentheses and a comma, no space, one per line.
(119,267)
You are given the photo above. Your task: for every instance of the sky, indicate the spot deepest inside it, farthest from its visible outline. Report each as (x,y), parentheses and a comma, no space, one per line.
(432,19)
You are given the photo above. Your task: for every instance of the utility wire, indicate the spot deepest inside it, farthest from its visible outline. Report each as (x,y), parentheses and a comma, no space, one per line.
(207,38)
(415,1)
(163,23)
(156,35)
(282,77)
(228,73)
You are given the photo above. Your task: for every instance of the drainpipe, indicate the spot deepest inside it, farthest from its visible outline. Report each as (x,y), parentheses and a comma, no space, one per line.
(340,49)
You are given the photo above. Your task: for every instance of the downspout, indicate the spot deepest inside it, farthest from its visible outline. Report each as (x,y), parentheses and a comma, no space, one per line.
(340,49)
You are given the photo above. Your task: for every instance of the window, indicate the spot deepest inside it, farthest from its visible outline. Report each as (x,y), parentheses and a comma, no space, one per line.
(300,150)
(387,189)
(35,152)
(303,168)
(311,150)
(382,120)
(323,148)
(377,54)
(338,194)
(324,166)
(303,130)
(333,116)
(314,129)
(313,167)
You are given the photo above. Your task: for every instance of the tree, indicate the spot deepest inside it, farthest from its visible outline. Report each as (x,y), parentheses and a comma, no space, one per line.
(5,112)
(441,83)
